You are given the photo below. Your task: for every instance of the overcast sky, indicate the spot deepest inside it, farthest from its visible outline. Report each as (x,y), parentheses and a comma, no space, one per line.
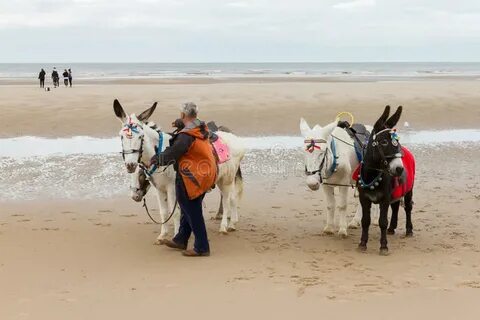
(239,30)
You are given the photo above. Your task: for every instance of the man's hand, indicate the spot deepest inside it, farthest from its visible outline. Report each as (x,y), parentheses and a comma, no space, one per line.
(178,124)
(154,161)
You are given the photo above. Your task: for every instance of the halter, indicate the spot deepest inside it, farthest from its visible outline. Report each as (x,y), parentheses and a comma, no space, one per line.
(333,149)
(385,159)
(128,128)
(158,150)
(311,146)
(395,138)
(133,127)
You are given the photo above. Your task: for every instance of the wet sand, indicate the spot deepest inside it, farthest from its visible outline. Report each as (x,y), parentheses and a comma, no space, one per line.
(248,106)
(95,258)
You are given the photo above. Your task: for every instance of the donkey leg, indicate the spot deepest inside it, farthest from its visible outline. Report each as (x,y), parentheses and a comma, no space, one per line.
(163,208)
(375,211)
(233,210)
(342,231)
(366,205)
(357,219)
(226,190)
(330,194)
(171,199)
(408,211)
(394,220)
(220,208)
(383,223)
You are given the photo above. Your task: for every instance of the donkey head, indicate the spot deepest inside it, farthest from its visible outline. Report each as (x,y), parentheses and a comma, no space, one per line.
(383,148)
(139,185)
(132,134)
(315,147)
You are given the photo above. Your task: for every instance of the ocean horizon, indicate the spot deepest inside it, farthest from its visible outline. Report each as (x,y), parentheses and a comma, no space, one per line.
(153,70)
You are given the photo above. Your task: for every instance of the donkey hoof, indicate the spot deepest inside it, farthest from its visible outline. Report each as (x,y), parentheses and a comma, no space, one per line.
(159,242)
(391,231)
(384,252)
(362,248)
(343,233)
(409,234)
(231,229)
(328,230)
(353,225)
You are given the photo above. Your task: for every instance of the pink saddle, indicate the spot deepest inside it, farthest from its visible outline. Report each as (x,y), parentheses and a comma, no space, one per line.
(222,150)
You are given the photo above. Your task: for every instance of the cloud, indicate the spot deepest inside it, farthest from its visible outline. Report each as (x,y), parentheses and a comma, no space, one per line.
(240,30)
(355,4)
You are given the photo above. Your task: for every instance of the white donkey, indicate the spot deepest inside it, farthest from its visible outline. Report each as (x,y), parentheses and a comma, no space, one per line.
(142,144)
(330,160)
(139,144)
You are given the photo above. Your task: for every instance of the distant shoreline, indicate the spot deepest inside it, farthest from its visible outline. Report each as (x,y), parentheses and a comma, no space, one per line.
(226,72)
(240,79)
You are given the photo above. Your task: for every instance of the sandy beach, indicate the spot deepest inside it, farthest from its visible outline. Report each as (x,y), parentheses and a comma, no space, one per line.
(95,258)
(255,107)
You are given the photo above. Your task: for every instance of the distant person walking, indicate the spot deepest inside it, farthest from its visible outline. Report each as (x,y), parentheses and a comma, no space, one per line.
(70,77)
(65,78)
(55,78)
(41,77)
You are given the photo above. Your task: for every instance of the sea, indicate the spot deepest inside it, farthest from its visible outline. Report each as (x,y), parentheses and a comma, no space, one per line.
(344,70)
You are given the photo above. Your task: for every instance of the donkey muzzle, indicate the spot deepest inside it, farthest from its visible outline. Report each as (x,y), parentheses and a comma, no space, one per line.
(131,167)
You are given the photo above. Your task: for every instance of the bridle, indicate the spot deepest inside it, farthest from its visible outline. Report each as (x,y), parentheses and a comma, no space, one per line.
(132,127)
(394,140)
(385,159)
(129,128)
(311,146)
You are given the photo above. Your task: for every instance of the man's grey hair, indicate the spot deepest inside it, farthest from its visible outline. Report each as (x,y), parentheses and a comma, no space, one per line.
(190,109)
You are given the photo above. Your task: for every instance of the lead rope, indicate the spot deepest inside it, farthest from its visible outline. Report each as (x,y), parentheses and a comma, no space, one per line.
(150,216)
(149,174)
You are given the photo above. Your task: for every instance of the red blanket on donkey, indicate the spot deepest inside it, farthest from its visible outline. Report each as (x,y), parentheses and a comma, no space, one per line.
(400,188)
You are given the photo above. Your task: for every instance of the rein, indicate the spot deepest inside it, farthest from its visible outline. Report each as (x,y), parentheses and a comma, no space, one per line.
(150,216)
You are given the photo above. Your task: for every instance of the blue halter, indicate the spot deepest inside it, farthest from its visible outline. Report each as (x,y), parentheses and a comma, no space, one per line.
(158,151)
(333,147)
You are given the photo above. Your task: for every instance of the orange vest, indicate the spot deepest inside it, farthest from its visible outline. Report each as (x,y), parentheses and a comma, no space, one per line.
(198,167)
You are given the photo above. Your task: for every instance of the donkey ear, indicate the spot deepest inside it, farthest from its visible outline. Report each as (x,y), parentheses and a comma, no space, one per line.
(381,121)
(392,121)
(119,112)
(304,127)
(147,113)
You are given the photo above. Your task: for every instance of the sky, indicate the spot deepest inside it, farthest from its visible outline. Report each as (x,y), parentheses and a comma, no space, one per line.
(239,30)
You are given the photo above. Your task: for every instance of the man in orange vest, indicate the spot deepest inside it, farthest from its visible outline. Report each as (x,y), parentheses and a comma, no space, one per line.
(191,154)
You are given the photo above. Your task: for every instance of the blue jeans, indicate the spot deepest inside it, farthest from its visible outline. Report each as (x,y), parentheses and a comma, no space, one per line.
(191,219)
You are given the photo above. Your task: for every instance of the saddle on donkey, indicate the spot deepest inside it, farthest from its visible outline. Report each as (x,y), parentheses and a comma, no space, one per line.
(220,148)
(359,134)
(403,184)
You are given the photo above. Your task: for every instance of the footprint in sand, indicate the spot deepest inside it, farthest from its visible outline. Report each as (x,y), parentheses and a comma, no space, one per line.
(103,224)
(23,220)
(128,215)
(105,211)
(17,215)
(470,284)
(50,229)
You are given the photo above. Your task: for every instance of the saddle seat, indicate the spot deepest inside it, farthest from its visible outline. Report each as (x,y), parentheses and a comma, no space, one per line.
(220,148)
(360,135)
